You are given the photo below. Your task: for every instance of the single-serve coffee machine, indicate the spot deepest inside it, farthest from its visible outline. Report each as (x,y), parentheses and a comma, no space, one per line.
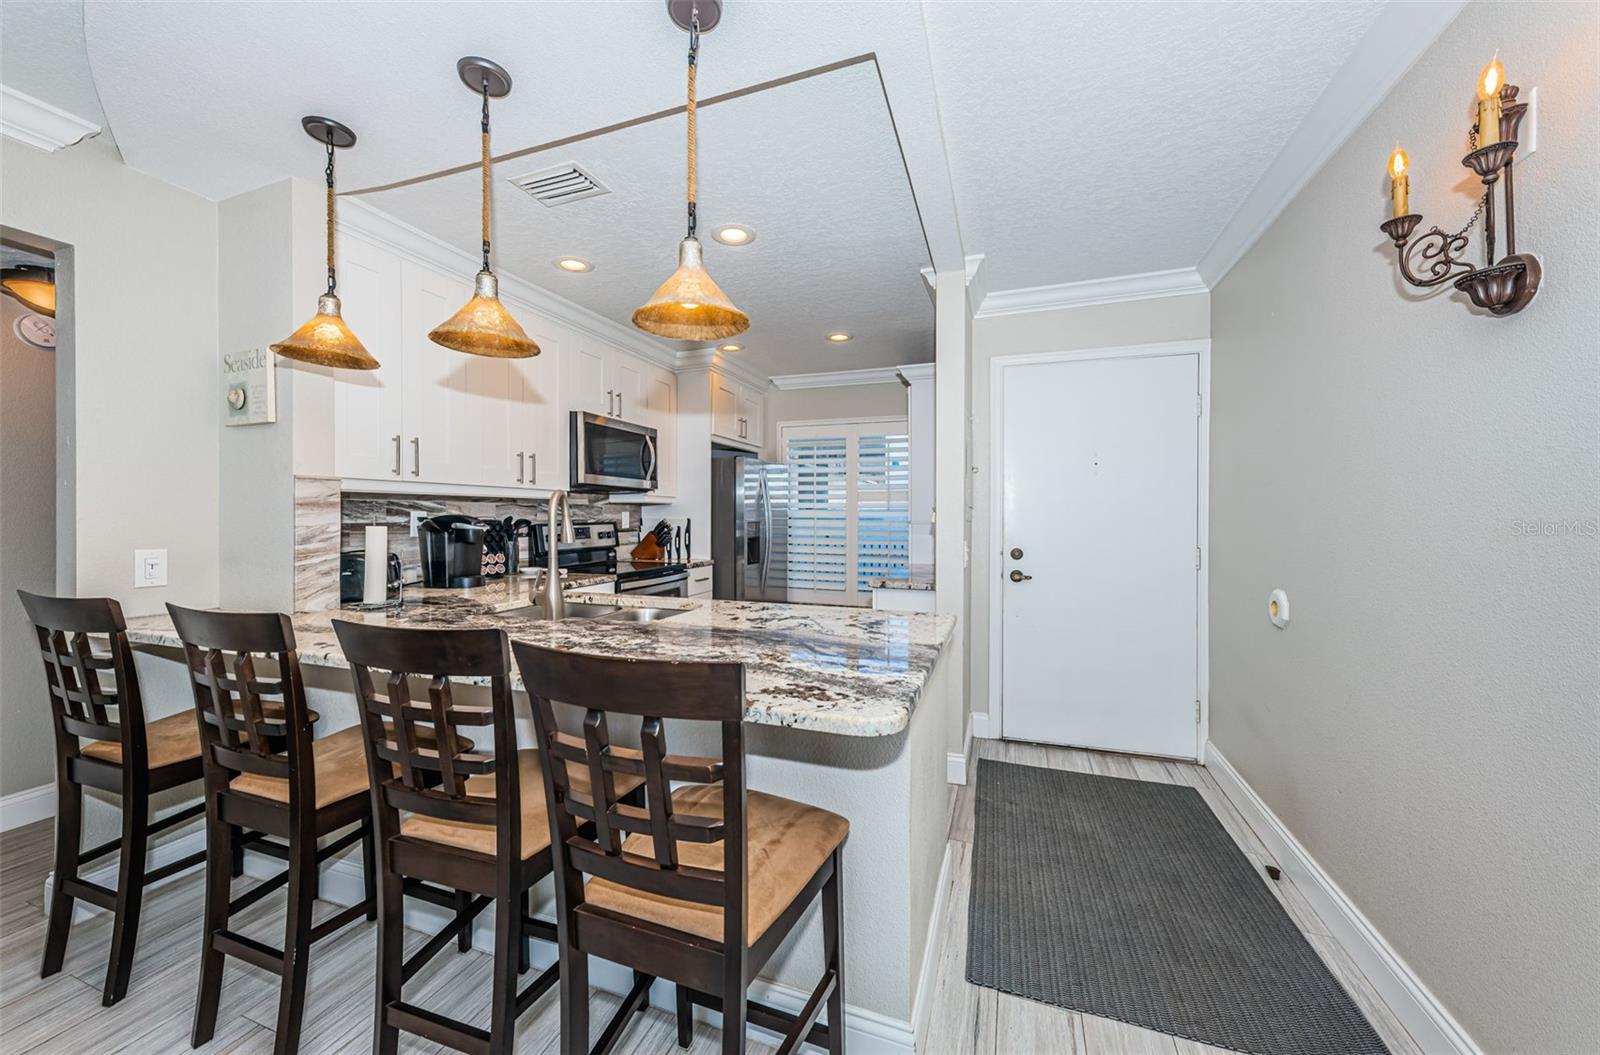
(452,550)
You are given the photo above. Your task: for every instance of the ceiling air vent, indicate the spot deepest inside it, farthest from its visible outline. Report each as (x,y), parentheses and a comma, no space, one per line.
(560,185)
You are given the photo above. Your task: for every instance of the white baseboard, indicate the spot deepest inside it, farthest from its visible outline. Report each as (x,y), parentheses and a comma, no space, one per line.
(978,726)
(922,1003)
(1425,1018)
(25,807)
(958,764)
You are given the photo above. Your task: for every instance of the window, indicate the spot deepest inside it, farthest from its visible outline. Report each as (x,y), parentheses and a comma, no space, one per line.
(849,508)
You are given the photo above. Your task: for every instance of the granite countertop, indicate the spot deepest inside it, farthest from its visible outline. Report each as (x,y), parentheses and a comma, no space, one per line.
(850,671)
(920,577)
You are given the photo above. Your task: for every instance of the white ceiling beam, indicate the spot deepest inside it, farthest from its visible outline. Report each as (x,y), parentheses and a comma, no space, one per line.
(1402,32)
(877,375)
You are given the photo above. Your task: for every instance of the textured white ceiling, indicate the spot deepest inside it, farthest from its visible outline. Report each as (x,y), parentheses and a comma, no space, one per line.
(42,54)
(811,167)
(1088,140)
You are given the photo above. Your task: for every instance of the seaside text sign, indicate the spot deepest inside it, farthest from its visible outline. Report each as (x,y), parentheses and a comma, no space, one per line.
(249,387)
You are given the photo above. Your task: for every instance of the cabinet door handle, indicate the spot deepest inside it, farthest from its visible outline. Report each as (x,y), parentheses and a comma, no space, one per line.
(397,454)
(416,456)
(611,401)
(619,404)
(521,459)
(533,467)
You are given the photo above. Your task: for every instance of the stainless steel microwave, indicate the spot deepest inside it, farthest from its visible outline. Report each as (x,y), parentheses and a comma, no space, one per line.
(609,454)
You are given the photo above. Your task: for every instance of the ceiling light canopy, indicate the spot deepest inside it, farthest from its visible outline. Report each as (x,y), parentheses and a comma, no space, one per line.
(838,336)
(484,326)
(734,234)
(34,286)
(689,305)
(577,265)
(326,340)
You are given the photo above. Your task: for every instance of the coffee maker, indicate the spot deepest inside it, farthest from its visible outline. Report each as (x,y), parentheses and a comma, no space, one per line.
(452,550)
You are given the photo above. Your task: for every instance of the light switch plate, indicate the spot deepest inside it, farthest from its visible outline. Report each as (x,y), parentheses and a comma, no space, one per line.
(149,567)
(416,518)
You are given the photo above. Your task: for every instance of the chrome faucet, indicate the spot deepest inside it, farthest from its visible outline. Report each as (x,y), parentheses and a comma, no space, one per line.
(555,601)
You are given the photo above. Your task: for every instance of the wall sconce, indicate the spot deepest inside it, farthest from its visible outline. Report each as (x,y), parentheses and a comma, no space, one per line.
(1504,286)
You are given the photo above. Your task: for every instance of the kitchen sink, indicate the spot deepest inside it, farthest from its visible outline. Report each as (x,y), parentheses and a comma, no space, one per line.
(641,615)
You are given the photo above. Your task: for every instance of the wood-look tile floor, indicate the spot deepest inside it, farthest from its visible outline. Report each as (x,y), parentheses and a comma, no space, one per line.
(62,1014)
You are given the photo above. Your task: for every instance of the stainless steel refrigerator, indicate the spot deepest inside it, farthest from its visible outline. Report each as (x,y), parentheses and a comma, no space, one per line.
(749,528)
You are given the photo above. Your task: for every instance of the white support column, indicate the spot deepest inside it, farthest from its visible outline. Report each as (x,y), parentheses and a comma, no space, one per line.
(952,335)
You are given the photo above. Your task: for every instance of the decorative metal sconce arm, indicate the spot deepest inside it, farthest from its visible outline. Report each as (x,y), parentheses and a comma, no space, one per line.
(1438,255)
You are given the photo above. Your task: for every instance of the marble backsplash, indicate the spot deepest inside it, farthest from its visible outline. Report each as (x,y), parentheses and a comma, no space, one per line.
(361,509)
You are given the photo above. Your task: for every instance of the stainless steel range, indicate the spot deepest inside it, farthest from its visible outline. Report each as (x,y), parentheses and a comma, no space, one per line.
(594,550)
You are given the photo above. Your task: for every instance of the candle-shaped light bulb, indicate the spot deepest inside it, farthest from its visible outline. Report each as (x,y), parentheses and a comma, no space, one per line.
(1490,81)
(1399,181)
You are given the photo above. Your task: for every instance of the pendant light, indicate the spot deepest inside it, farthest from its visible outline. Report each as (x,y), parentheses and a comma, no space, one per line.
(484,326)
(33,285)
(689,306)
(326,340)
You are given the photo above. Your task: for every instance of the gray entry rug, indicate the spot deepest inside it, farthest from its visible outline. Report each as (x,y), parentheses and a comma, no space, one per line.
(1129,900)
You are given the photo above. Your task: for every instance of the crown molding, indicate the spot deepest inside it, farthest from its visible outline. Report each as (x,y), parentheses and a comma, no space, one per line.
(711,359)
(875,375)
(1147,286)
(374,224)
(38,124)
(1397,38)
(915,372)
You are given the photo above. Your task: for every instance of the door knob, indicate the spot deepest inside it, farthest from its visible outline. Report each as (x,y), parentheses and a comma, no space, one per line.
(1016,552)
(1017,576)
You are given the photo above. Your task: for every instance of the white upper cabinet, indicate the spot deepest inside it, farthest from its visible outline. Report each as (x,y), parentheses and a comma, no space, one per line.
(737,412)
(442,391)
(437,417)
(368,437)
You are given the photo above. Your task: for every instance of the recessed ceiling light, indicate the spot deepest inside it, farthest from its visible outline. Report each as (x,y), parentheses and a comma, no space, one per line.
(730,347)
(734,234)
(838,336)
(574,264)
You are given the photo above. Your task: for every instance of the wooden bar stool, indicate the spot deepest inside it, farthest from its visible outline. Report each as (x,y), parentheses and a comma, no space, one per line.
(264,773)
(474,822)
(663,900)
(117,752)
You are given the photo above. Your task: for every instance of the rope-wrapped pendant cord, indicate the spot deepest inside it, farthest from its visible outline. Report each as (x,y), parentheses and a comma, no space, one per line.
(328,175)
(694,48)
(486,176)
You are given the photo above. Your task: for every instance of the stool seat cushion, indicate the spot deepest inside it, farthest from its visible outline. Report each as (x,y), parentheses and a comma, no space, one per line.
(480,838)
(787,842)
(341,767)
(167,741)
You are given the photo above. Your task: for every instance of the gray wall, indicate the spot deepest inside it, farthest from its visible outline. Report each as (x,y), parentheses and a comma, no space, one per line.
(1183,318)
(144,393)
(28,555)
(829,404)
(1427,724)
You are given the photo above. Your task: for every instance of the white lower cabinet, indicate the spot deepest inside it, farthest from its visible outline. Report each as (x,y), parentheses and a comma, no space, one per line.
(700,581)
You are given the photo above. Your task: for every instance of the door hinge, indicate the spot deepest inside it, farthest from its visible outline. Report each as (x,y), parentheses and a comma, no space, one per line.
(1197,558)
(1199,404)
(1197,712)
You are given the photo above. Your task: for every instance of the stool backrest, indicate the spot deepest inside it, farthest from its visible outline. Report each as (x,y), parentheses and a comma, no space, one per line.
(240,732)
(83,706)
(428,774)
(651,691)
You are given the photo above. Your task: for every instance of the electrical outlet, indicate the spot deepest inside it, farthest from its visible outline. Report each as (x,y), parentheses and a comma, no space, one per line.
(416,518)
(149,567)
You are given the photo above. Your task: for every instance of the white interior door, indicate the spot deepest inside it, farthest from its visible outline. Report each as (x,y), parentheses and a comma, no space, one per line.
(1100,485)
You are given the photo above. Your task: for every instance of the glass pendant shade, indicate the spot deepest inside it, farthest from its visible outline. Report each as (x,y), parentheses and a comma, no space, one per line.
(326,341)
(484,326)
(35,287)
(689,306)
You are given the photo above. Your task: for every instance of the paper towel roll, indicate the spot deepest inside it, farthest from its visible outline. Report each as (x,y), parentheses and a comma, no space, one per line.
(375,583)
